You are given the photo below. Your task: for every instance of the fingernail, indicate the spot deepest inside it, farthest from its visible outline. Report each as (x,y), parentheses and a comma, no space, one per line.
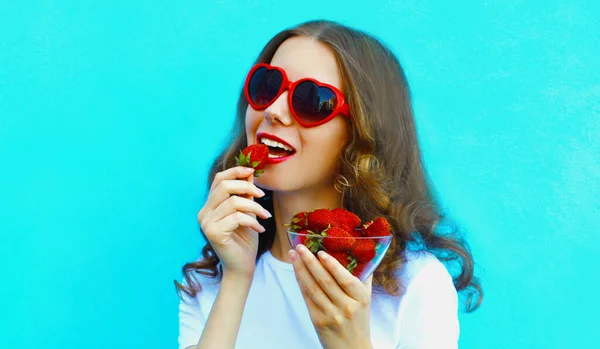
(261,229)
(248,169)
(267,213)
(260,192)
(323,255)
(293,255)
(301,249)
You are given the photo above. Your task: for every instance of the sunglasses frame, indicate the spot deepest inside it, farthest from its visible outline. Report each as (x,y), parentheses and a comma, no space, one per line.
(341,107)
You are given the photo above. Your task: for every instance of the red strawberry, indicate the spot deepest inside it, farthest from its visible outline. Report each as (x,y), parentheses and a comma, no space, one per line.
(343,240)
(358,269)
(363,250)
(347,219)
(321,219)
(378,227)
(309,240)
(302,237)
(357,233)
(254,156)
(343,257)
(300,220)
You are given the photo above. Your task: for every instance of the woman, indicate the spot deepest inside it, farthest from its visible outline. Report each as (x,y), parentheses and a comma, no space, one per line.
(250,290)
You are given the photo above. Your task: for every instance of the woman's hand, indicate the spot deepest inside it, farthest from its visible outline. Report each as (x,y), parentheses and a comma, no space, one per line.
(228,220)
(338,303)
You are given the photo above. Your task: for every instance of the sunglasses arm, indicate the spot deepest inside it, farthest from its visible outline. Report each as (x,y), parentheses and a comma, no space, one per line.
(345,110)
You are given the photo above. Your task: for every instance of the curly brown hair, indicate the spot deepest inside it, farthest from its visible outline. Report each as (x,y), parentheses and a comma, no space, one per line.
(380,173)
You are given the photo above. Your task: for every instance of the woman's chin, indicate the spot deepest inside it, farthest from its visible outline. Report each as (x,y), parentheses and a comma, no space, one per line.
(275,183)
(263,182)
(268,182)
(285,184)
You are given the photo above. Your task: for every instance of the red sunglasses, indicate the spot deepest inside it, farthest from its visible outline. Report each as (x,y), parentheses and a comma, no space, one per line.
(312,103)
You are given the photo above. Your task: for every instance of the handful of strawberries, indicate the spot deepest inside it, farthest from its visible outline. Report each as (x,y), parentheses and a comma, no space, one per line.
(339,233)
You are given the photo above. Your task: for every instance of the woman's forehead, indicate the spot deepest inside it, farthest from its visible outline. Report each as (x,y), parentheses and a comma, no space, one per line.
(303,57)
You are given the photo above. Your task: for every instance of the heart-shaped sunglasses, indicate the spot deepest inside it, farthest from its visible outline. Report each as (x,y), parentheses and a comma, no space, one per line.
(312,103)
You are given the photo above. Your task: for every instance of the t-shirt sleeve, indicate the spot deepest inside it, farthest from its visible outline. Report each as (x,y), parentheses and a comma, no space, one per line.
(191,321)
(429,315)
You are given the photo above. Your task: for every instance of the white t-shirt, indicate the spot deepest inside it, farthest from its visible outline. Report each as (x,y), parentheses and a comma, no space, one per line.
(276,316)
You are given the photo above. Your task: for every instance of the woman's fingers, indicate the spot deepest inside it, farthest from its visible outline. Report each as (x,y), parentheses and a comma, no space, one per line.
(238,203)
(327,282)
(227,187)
(230,203)
(238,172)
(352,286)
(309,286)
(235,220)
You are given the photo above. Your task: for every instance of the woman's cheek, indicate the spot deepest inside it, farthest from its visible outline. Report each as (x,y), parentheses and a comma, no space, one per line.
(252,122)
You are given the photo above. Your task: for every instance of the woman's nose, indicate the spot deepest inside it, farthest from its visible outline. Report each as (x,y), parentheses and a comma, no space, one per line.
(279,111)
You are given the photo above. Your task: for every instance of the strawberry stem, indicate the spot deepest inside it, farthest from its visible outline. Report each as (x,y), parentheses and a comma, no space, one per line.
(353,263)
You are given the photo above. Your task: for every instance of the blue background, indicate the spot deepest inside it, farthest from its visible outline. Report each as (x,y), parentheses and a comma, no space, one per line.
(111,111)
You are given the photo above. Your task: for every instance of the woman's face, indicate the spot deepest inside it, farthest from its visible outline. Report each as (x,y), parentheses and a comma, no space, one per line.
(316,149)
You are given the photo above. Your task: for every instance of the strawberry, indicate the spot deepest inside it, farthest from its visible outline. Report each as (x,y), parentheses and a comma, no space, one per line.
(340,240)
(299,221)
(346,260)
(343,257)
(347,219)
(254,156)
(321,219)
(358,269)
(357,233)
(378,227)
(307,238)
(363,250)
(302,237)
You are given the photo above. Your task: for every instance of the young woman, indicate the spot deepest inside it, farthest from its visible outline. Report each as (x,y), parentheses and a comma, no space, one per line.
(341,134)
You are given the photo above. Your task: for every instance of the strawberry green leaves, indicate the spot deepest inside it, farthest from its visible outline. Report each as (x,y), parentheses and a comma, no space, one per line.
(254,156)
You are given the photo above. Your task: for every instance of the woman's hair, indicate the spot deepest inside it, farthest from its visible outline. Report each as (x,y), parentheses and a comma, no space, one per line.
(380,172)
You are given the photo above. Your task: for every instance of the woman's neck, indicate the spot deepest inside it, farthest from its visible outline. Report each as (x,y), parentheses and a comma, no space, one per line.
(287,204)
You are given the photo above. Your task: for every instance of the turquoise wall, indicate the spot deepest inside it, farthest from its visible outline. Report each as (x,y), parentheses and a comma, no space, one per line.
(111,111)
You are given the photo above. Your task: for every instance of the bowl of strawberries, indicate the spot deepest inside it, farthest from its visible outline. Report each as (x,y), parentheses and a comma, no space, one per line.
(358,246)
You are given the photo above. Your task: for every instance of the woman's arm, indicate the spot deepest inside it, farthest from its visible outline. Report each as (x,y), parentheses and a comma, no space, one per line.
(223,324)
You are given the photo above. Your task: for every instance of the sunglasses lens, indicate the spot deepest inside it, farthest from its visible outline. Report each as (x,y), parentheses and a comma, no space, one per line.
(264,85)
(312,103)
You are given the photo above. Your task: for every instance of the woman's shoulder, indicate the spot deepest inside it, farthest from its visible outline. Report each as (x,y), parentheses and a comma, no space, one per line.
(423,265)
(426,290)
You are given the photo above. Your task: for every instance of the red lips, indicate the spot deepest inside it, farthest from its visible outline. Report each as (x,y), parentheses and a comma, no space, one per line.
(272,161)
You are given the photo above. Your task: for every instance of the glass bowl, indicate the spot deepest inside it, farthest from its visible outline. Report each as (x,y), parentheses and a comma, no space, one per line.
(360,255)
